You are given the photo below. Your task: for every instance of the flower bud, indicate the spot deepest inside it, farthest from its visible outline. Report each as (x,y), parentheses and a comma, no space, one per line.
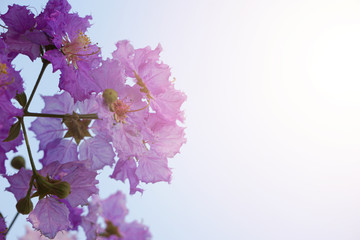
(18,162)
(110,96)
(43,186)
(24,205)
(61,189)
(46,186)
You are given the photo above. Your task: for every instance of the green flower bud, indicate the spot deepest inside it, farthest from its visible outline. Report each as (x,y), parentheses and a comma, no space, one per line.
(61,189)
(18,162)
(110,96)
(24,205)
(46,186)
(43,186)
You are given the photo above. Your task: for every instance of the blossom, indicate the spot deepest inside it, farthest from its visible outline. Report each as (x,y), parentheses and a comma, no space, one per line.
(3,228)
(23,36)
(36,235)
(71,49)
(7,114)
(54,211)
(113,211)
(143,121)
(70,138)
(11,83)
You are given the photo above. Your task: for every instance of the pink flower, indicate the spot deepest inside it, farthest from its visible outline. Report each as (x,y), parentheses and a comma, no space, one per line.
(52,214)
(113,211)
(36,235)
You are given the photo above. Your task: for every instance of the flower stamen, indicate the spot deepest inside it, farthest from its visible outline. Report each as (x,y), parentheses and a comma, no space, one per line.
(77,48)
(4,77)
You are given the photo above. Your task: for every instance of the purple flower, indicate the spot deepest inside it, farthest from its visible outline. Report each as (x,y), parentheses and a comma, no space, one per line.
(7,114)
(72,51)
(19,183)
(49,217)
(10,84)
(113,211)
(23,36)
(52,214)
(3,228)
(52,132)
(10,81)
(36,235)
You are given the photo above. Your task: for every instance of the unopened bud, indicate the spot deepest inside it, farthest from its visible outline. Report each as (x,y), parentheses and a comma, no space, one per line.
(24,205)
(18,162)
(61,189)
(46,186)
(110,96)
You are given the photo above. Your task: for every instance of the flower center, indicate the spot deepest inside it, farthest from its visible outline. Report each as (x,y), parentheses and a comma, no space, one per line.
(3,68)
(77,48)
(143,87)
(4,77)
(120,109)
(110,230)
(77,128)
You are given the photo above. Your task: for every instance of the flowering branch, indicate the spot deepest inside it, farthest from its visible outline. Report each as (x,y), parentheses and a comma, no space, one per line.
(28,146)
(122,112)
(48,115)
(45,64)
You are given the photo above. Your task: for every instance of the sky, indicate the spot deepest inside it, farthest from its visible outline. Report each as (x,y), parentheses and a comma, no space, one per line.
(272,115)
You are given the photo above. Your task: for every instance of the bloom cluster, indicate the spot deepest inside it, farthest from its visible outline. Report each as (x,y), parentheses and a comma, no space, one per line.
(123,112)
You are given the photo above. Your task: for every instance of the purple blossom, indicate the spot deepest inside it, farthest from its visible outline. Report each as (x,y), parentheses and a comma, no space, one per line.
(3,228)
(19,183)
(81,179)
(36,235)
(113,210)
(52,214)
(51,132)
(23,36)
(73,53)
(7,114)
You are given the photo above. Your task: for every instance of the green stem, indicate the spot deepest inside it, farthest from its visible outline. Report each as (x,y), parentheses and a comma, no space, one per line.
(48,115)
(28,147)
(12,223)
(45,64)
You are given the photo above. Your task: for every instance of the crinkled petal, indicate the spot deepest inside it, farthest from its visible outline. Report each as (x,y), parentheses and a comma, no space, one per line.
(3,228)
(114,208)
(36,235)
(60,150)
(18,18)
(135,231)
(98,151)
(153,168)
(49,217)
(78,82)
(125,169)
(82,182)
(168,136)
(46,130)
(19,183)
(168,104)
(127,140)
(59,104)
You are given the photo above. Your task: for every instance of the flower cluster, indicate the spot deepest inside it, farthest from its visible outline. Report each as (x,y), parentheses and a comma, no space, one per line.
(123,112)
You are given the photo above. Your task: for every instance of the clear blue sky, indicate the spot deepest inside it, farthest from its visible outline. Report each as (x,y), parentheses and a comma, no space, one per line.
(272,115)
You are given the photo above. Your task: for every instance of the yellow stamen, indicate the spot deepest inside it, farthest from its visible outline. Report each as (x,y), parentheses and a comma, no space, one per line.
(142,85)
(75,49)
(3,68)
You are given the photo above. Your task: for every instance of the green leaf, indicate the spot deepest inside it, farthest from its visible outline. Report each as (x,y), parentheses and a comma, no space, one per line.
(13,132)
(21,98)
